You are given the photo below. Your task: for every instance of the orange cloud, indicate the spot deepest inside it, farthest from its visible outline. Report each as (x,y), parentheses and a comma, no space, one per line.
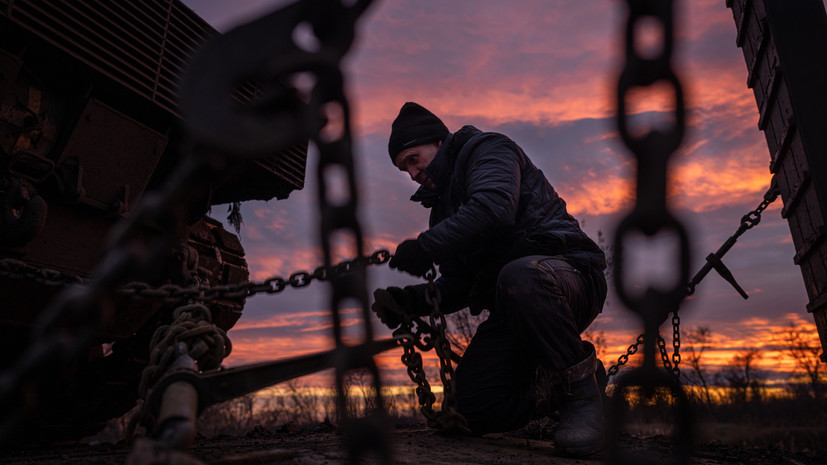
(281,320)
(258,349)
(597,196)
(703,184)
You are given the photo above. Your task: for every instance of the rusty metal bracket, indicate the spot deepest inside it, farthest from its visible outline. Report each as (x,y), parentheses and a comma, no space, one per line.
(713,260)
(722,270)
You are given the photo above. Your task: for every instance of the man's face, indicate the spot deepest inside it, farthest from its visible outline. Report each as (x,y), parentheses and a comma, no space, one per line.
(414,160)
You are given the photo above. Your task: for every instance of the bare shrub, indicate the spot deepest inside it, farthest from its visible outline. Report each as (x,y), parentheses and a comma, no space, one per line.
(461,328)
(698,339)
(598,340)
(803,347)
(232,418)
(746,382)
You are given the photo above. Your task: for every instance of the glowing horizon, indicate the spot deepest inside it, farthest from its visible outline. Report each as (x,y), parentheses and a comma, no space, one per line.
(543,73)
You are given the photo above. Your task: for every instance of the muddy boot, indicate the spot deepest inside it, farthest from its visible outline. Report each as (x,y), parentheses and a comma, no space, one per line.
(581,409)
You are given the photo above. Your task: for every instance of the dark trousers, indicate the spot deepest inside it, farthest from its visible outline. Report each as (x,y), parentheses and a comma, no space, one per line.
(542,305)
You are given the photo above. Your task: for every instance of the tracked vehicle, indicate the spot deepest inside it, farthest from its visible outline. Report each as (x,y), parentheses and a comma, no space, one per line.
(88,124)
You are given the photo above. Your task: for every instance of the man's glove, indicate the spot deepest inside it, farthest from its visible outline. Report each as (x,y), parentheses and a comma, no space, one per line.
(391,305)
(411,257)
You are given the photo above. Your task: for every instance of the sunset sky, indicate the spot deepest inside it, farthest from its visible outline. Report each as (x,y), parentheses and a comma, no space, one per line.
(542,72)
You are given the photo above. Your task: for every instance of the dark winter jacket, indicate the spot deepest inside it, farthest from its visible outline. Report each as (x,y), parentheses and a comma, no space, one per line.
(491,206)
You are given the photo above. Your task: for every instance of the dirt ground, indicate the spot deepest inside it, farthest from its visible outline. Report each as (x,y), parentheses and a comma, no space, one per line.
(411,444)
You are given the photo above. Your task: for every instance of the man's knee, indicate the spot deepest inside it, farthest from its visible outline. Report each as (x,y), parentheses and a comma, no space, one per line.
(517,279)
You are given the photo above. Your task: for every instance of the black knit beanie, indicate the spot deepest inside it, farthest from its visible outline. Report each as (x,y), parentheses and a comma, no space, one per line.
(414,125)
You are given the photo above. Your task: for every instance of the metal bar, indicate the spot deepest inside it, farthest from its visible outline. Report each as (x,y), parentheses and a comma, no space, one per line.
(810,244)
(95,60)
(752,69)
(769,99)
(222,385)
(781,151)
(742,21)
(133,26)
(795,194)
(161,53)
(112,41)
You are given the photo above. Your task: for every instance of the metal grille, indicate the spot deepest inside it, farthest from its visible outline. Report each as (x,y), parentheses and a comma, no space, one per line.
(290,165)
(145,46)
(122,40)
(142,44)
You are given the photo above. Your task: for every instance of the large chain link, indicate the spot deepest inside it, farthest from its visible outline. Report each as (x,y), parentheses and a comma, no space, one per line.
(652,150)
(333,23)
(651,214)
(267,51)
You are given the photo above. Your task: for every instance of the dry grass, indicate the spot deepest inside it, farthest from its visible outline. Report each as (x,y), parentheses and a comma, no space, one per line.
(792,424)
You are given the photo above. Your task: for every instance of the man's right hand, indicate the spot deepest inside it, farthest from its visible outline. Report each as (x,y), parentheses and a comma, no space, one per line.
(394,305)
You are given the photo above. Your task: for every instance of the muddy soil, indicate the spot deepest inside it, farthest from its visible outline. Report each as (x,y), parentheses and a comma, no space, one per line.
(411,444)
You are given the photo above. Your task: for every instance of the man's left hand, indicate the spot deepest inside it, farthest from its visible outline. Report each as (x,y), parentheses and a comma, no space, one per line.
(411,258)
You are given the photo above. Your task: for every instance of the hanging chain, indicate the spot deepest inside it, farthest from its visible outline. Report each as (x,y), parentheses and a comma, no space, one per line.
(448,420)
(671,366)
(676,344)
(651,216)
(652,151)
(266,50)
(748,221)
(334,23)
(413,362)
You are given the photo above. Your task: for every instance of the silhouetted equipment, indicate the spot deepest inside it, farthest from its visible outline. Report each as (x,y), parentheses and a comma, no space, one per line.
(785,48)
(88,123)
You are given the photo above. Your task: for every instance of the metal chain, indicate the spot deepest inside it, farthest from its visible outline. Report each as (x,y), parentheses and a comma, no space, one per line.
(752,218)
(448,419)
(175,294)
(652,151)
(624,358)
(670,365)
(748,221)
(298,279)
(650,216)
(334,23)
(416,371)
(69,324)
(206,343)
(16,269)
(664,355)
(676,345)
